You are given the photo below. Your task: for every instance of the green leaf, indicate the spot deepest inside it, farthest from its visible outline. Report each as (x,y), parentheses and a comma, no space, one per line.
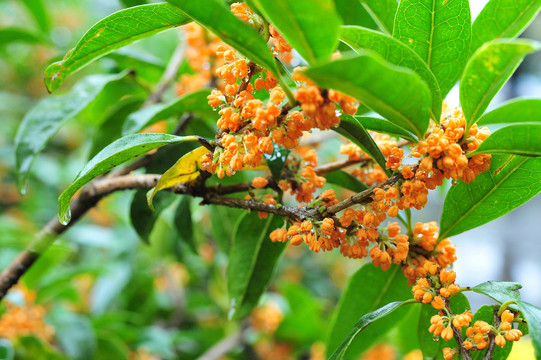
(303,322)
(39,13)
(486,313)
(142,217)
(503,19)
(508,184)
(223,225)
(122,150)
(10,35)
(397,94)
(352,129)
(299,22)
(183,222)
(514,111)
(519,139)
(276,161)
(368,289)
(147,67)
(440,32)
(500,291)
(117,30)
(396,53)
(252,260)
(487,71)
(353,12)
(111,128)
(532,314)
(75,334)
(345,180)
(213,15)
(363,322)
(384,126)
(48,116)
(195,102)
(383,12)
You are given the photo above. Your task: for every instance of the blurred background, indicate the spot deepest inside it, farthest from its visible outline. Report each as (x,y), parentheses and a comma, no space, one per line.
(109,295)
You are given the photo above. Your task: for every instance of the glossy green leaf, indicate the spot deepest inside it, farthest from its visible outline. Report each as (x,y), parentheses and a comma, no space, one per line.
(213,15)
(519,139)
(532,314)
(487,71)
(363,322)
(501,291)
(397,94)
(396,53)
(383,12)
(486,313)
(122,150)
(276,161)
(404,335)
(142,218)
(10,35)
(299,22)
(353,12)
(384,126)
(352,129)
(503,19)
(440,32)
(117,30)
(252,260)
(39,13)
(514,111)
(368,290)
(508,184)
(345,180)
(47,117)
(195,102)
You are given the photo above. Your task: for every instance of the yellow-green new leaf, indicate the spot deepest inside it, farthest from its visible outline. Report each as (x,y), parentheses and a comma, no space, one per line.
(117,30)
(185,169)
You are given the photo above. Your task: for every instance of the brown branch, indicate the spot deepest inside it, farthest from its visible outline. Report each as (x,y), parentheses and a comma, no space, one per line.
(363,196)
(100,187)
(492,337)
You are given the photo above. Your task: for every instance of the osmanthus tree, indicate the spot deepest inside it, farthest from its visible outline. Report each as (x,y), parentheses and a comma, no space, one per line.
(375,72)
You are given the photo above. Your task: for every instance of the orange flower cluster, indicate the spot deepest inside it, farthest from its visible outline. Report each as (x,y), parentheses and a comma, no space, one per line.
(305,180)
(201,56)
(372,174)
(318,235)
(25,320)
(439,284)
(478,335)
(449,147)
(319,106)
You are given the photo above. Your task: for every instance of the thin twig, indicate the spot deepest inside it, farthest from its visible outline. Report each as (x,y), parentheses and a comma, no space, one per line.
(169,75)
